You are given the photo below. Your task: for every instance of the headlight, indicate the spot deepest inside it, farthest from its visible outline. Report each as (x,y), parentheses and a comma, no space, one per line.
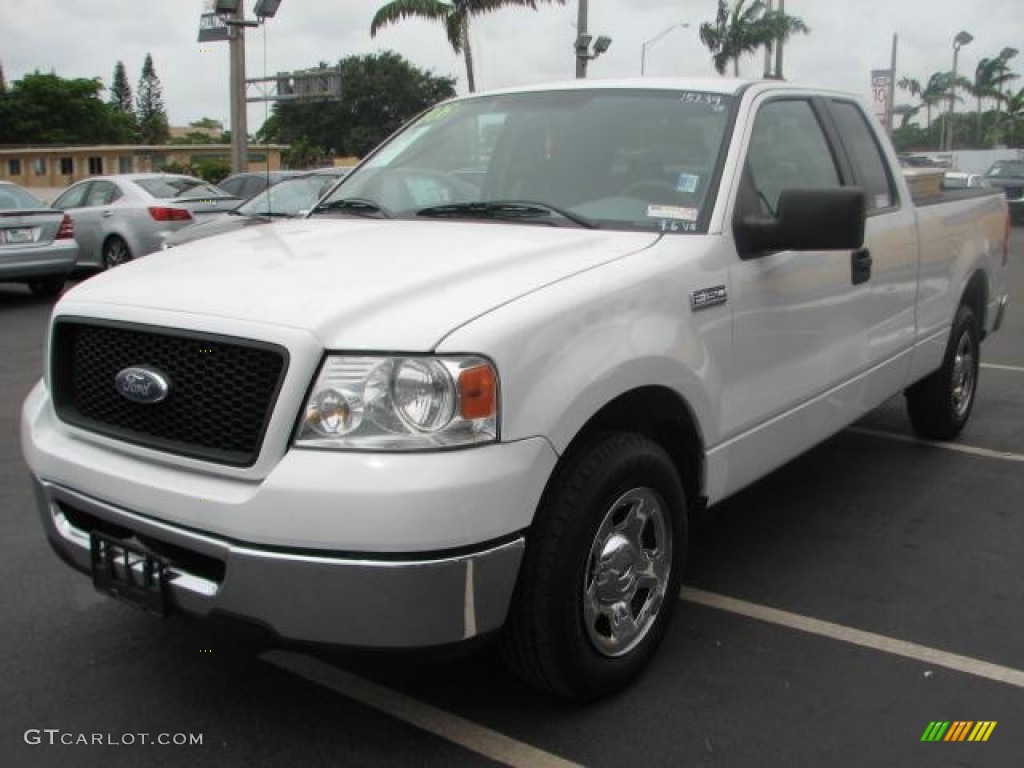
(400,404)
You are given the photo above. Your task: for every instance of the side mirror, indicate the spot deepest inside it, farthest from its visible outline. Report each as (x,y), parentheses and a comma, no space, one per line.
(830,219)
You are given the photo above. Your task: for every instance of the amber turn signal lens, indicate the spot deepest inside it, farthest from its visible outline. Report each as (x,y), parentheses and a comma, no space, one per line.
(478,392)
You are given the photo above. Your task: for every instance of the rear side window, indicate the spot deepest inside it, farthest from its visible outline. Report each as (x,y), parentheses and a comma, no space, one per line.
(865,154)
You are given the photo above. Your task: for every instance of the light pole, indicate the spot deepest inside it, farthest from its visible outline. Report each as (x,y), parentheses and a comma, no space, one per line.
(962,38)
(648,43)
(1005,55)
(235,12)
(582,44)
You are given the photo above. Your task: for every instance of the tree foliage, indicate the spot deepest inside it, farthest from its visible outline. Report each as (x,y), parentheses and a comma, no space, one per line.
(380,93)
(149,106)
(47,109)
(742,29)
(453,14)
(121,91)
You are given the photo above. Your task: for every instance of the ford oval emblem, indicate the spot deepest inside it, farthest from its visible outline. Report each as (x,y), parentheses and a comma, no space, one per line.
(142,385)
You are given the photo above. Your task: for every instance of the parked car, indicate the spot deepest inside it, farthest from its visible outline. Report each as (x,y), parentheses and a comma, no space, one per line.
(37,243)
(438,411)
(249,183)
(963,180)
(119,218)
(288,198)
(1008,175)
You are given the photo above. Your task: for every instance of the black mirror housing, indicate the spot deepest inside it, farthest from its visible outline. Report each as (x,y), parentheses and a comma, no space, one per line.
(811,219)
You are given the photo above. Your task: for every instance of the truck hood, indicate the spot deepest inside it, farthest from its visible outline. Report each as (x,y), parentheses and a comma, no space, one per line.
(359,283)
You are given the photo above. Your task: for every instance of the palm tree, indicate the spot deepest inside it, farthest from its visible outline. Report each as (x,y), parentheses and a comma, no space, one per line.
(1014,112)
(990,77)
(743,29)
(935,91)
(454,14)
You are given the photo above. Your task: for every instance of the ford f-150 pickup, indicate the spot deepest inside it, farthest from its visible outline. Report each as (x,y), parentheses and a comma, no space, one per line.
(477,391)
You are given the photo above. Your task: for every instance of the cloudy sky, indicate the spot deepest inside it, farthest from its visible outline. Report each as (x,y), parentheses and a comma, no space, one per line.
(85,38)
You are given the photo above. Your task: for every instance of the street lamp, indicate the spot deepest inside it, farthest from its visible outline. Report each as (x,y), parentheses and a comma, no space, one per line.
(962,38)
(648,43)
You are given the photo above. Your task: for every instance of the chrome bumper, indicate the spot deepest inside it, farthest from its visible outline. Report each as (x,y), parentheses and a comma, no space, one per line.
(302,596)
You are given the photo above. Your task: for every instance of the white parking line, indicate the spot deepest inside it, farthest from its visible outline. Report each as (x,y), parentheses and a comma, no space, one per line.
(452,728)
(922,653)
(999,367)
(987,453)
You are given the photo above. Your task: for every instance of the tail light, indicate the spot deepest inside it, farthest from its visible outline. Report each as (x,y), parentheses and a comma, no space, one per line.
(66,231)
(169,214)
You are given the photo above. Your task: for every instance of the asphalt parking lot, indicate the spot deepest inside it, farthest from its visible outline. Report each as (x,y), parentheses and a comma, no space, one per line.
(831,613)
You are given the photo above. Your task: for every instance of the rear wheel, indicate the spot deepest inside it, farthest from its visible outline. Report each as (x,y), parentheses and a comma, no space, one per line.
(115,252)
(48,287)
(940,404)
(601,571)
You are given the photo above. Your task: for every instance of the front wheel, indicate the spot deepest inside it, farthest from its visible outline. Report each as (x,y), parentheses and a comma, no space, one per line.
(601,573)
(940,404)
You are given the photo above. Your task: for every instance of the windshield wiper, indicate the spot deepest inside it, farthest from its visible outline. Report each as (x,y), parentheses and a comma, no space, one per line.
(505,209)
(356,206)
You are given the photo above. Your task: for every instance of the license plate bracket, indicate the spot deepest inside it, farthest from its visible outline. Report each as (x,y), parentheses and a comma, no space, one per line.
(22,235)
(129,572)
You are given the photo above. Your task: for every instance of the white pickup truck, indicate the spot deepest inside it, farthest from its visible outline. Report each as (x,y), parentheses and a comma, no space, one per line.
(476,392)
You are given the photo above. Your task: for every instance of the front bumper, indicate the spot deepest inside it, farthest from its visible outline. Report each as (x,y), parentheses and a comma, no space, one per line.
(317,598)
(345,548)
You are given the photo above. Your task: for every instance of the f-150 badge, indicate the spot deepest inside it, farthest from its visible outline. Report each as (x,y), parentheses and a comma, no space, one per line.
(708,297)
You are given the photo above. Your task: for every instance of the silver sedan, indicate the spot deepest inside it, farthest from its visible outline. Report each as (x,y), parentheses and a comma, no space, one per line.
(119,218)
(37,244)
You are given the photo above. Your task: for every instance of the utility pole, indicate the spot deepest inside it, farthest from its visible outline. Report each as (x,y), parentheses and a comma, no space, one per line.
(768,48)
(581,35)
(239,127)
(892,86)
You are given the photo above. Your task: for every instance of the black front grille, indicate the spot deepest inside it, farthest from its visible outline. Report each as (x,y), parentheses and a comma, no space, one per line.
(222,390)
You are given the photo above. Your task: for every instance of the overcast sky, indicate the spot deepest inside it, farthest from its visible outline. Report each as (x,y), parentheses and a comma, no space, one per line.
(85,38)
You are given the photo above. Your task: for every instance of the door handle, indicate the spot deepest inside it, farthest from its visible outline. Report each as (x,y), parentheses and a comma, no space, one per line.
(860,266)
(107,214)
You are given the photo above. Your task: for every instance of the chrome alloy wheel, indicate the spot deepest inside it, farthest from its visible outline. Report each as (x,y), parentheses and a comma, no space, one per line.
(627,572)
(963,375)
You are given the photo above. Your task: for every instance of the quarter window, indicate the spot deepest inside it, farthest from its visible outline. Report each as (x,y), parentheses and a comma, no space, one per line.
(865,154)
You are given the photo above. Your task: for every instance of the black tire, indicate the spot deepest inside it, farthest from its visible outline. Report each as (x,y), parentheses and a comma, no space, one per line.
(940,404)
(115,252)
(557,637)
(47,287)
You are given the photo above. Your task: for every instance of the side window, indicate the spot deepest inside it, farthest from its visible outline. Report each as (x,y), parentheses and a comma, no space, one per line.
(787,149)
(72,198)
(102,193)
(865,154)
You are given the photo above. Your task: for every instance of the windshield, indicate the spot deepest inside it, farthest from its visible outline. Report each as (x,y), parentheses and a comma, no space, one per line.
(623,159)
(1007,168)
(289,197)
(166,187)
